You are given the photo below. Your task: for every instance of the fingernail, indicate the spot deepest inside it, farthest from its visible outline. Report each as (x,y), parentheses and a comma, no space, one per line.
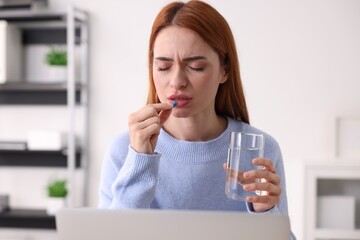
(174,104)
(246,187)
(246,175)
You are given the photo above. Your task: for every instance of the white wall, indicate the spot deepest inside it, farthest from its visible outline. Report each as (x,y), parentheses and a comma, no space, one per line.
(299,63)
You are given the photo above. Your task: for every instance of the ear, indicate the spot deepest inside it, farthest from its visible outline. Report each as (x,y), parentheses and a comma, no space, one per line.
(225,75)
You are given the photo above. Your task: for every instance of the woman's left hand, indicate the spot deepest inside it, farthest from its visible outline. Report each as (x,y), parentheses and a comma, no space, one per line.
(269,185)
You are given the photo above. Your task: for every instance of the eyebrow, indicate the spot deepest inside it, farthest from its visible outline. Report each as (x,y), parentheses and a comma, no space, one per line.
(187,59)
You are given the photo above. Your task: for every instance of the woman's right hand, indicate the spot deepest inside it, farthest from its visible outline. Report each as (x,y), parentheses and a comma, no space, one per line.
(145,125)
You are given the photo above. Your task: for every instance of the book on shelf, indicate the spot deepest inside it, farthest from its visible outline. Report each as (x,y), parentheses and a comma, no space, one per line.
(12,145)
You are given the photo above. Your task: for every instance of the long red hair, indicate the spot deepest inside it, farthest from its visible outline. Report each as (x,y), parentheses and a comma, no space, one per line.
(203,19)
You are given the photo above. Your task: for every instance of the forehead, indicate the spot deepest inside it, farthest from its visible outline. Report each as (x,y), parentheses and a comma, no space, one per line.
(181,41)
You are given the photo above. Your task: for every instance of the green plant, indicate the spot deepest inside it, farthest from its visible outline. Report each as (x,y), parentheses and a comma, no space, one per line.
(57,188)
(56,57)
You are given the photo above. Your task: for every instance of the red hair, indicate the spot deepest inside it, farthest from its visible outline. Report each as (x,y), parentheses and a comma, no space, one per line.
(203,19)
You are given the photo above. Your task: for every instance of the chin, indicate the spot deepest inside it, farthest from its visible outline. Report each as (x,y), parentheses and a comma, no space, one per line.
(180,114)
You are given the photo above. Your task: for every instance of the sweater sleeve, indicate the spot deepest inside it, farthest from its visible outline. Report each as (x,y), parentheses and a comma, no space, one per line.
(128,178)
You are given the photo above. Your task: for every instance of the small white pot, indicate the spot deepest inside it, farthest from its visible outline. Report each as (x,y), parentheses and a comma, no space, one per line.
(54,204)
(57,74)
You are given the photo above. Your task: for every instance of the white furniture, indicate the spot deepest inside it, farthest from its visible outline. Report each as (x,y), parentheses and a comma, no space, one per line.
(337,181)
(68,28)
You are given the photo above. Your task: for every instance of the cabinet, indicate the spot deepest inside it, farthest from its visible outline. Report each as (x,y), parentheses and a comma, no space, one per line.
(69,28)
(332,179)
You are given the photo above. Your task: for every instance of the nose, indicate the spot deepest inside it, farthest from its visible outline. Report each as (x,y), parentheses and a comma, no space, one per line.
(178,78)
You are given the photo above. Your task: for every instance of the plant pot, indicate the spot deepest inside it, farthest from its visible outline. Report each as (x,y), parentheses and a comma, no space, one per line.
(57,74)
(54,204)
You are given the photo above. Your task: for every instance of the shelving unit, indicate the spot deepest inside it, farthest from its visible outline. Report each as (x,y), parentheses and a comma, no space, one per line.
(328,179)
(70,28)
(36,94)
(27,158)
(26,218)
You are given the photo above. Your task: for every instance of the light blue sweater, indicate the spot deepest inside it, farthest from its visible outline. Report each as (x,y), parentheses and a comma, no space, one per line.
(179,175)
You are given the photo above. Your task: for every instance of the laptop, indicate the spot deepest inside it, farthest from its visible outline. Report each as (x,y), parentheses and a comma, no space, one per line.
(95,224)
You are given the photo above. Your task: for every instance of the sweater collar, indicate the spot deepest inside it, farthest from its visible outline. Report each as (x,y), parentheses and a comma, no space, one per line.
(195,152)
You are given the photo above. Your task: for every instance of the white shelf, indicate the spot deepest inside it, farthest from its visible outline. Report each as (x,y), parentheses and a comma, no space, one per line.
(71,29)
(336,178)
(43,28)
(337,234)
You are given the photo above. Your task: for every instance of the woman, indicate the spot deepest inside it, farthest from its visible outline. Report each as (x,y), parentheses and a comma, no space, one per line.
(172,157)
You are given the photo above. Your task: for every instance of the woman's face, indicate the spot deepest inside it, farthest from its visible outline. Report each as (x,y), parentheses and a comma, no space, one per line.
(186,70)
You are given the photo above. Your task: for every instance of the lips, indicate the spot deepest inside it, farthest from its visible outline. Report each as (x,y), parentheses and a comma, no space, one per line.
(180,99)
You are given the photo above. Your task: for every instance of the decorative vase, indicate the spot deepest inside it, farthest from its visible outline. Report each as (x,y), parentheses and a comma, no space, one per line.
(54,204)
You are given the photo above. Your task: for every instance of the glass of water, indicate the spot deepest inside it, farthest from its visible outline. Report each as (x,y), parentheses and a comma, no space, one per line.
(243,148)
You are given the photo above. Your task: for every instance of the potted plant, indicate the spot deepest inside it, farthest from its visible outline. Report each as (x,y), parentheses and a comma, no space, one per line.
(56,59)
(57,192)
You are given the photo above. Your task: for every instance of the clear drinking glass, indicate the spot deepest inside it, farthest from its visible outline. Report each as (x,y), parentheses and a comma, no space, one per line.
(243,148)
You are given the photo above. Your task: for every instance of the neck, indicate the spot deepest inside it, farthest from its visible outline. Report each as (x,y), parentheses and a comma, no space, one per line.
(196,128)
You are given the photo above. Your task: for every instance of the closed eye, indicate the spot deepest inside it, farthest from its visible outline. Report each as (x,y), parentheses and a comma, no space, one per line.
(163,69)
(198,69)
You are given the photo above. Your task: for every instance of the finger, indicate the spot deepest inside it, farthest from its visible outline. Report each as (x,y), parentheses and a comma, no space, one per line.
(225,166)
(267,163)
(263,174)
(147,111)
(147,122)
(237,176)
(270,200)
(162,106)
(273,190)
(148,132)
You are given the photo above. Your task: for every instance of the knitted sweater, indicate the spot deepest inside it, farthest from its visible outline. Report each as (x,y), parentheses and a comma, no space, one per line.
(179,175)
